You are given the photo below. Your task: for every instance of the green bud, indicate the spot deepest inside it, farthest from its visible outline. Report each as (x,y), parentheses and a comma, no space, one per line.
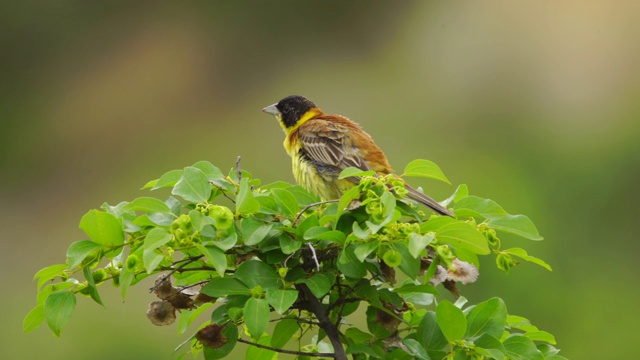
(283,272)
(492,238)
(445,254)
(99,276)
(505,262)
(132,261)
(185,222)
(256,292)
(365,182)
(392,258)
(83,289)
(180,235)
(222,216)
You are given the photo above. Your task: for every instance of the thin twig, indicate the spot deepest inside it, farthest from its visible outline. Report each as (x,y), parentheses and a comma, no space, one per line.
(188,261)
(223,192)
(312,205)
(238,168)
(291,352)
(315,257)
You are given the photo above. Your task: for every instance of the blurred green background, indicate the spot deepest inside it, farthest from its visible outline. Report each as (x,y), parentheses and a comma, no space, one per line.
(532,104)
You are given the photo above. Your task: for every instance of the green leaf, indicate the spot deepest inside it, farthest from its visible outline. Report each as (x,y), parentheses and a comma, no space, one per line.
(319,284)
(541,336)
(283,332)
(488,317)
(491,345)
(314,231)
(281,300)
(103,228)
(246,203)
(154,239)
(354,172)
(225,286)
(230,332)
(418,243)
(429,334)
(519,347)
(518,225)
(346,199)
(33,319)
(451,320)
(226,243)
(359,232)
(414,288)
(288,244)
(357,336)
(187,317)
(258,235)
(521,253)
(409,265)
(498,218)
(79,250)
(363,250)
(415,349)
(148,204)
(210,171)
(256,316)
(259,353)
(457,233)
(373,351)
(303,197)
(461,192)
(473,206)
(58,308)
(425,168)
(93,290)
(323,233)
(287,202)
(349,264)
(193,186)
(124,280)
(255,272)
(215,257)
(49,273)
(169,178)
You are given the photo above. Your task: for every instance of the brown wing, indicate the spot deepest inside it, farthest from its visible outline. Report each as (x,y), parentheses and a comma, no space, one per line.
(331,144)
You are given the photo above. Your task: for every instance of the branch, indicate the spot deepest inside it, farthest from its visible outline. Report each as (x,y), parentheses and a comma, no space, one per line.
(315,306)
(284,351)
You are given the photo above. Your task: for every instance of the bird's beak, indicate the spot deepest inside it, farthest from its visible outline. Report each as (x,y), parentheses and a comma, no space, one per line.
(272,109)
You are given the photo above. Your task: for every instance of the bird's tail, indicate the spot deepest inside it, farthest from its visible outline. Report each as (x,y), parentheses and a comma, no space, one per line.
(425,200)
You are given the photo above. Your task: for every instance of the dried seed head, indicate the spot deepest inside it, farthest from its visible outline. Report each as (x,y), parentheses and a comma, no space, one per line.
(161,313)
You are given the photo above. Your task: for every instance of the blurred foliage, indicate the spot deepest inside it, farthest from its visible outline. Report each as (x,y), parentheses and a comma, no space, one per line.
(535,103)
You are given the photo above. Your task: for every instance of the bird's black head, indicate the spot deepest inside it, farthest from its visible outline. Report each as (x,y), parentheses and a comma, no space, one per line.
(292,108)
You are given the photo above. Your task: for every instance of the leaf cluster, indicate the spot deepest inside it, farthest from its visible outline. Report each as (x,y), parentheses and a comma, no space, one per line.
(251,254)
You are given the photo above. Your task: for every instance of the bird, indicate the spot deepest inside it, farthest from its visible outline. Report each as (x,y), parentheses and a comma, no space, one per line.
(322,145)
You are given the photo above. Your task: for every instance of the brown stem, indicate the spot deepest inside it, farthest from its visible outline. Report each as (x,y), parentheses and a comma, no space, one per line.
(292,352)
(315,306)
